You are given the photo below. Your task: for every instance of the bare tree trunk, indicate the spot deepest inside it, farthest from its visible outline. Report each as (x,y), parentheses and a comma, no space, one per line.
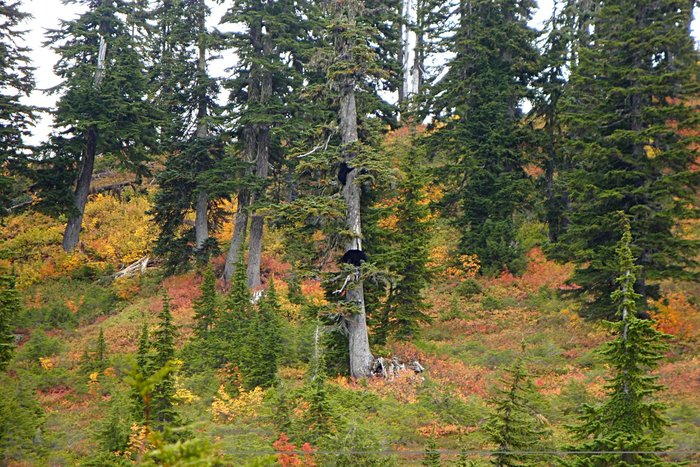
(201,230)
(201,225)
(257,223)
(72,234)
(358,341)
(239,233)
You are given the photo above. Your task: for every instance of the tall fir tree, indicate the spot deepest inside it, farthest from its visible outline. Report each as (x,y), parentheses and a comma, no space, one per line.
(162,410)
(405,252)
(431,458)
(631,132)
(631,417)
(513,426)
(10,306)
(101,350)
(478,125)
(179,47)
(16,118)
(102,107)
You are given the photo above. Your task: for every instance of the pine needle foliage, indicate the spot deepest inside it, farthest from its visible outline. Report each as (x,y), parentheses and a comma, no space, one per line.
(478,126)
(10,306)
(206,308)
(264,342)
(513,426)
(231,329)
(16,76)
(164,346)
(431,458)
(631,128)
(631,417)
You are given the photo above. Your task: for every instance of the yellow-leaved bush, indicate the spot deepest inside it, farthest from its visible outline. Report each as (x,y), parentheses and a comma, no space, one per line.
(226,408)
(114,233)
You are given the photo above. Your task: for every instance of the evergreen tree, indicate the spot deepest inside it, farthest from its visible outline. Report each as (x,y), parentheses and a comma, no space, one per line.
(264,342)
(102,107)
(10,306)
(405,251)
(478,122)
(179,46)
(232,327)
(431,458)
(629,126)
(164,345)
(630,418)
(206,308)
(101,350)
(513,426)
(16,76)
(143,357)
(322,412)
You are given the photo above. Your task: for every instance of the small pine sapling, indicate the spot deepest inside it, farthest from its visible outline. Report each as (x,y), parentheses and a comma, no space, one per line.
(10,304)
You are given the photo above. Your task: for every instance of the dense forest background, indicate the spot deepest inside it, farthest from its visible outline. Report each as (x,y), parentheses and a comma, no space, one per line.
(367,252)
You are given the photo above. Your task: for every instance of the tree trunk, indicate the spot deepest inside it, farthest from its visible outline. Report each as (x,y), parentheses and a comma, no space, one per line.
(257,222)
(201,226)
(201,229)
(82,190)
(239,233)
(358,342)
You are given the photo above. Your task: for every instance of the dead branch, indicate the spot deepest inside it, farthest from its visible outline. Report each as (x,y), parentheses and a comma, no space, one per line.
(137,267)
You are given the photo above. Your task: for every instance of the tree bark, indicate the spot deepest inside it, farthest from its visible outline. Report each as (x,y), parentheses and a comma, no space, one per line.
(239,233)
(201,229)
(201,224)
(257,223)
(358,341)
(71,236)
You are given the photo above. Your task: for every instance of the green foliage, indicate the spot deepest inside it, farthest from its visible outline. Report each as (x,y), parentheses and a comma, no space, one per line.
(10,306)
(513,426)
(631,138)
(164,336)
(232,327)
(40,346)
(109,115)
(478,126)
(264,342)
(16,118)
(21,419)
(115,428)
(431,458)
(206,307)
(630,418)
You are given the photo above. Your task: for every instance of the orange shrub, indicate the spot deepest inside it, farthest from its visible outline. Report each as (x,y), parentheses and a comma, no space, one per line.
(676,316)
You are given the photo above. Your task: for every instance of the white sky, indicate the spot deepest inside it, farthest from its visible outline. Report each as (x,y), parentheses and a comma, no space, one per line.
(48,13)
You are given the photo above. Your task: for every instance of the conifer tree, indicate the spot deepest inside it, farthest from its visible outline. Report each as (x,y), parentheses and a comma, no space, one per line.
(631,133)
(264,341)
(232,327)
(513,426)
(102,106)
(631,417)
(10,305)
(180,46)
(143,357)
(101,350)
(164,345)
(477,116)
(431,458)
(406,248)
(16,76)
(320,416)
(206,307)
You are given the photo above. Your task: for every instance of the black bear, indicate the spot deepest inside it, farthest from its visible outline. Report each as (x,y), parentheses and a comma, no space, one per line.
(642,315)
(345,169)
(354,257)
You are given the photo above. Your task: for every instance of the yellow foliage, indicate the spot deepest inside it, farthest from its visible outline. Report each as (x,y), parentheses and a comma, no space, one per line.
(46,363)
(226,408)
(182,394)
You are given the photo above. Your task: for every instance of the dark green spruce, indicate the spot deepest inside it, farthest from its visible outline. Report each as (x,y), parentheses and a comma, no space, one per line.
(631,133)
(479,129)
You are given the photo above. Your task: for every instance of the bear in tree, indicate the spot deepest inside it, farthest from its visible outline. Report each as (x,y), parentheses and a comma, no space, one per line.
(345,169)
(354,257)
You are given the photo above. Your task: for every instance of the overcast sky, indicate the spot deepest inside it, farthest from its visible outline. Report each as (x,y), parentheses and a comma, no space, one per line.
(47,14)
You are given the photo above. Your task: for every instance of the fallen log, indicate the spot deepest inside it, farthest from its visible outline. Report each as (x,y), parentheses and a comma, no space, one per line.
(115,188)
(134,268)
